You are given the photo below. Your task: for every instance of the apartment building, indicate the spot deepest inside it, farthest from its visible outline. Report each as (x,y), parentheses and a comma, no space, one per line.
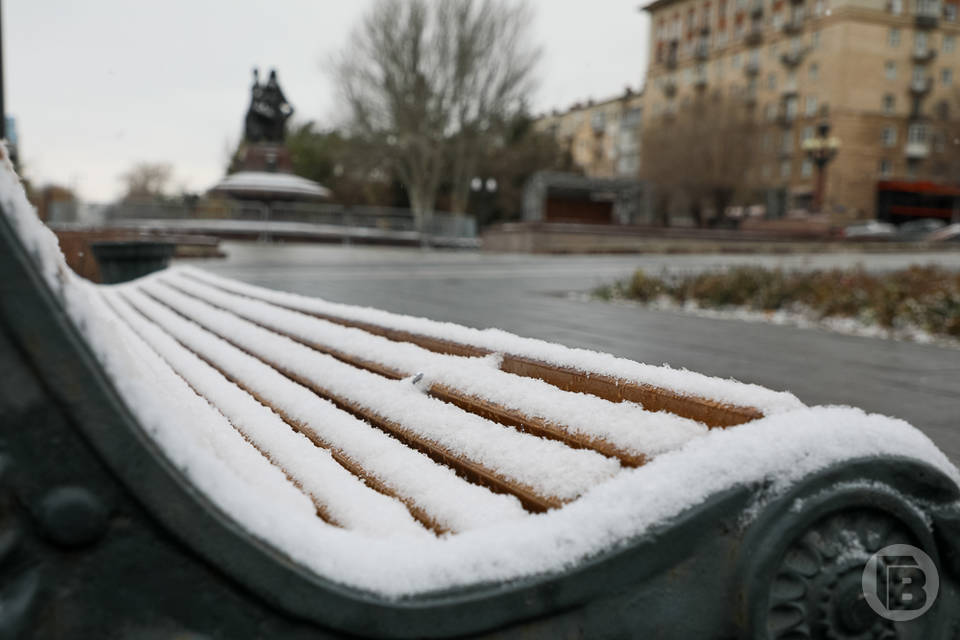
(882,73)
(603,138)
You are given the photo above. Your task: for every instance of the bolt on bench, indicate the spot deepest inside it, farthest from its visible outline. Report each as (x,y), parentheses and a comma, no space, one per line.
(190,456)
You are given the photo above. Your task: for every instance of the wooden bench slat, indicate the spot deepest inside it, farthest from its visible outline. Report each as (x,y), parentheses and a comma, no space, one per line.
(474,404)
(650,397)
(468,469)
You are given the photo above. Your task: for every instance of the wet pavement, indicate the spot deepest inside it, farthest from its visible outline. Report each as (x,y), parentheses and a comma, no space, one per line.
(526,295)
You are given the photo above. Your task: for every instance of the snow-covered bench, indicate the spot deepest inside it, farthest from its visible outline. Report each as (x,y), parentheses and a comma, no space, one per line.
(188,454)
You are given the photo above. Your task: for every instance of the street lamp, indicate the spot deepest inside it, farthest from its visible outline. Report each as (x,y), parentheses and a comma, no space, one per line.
(821,149)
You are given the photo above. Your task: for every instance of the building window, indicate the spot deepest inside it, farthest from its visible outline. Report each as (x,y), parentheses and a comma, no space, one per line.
(814,71)
(815,40)
(785,169)
(806,169)
(766,140)
(786,142)
(771,112)
(819,7)
(896,7)
(810,109)
(598,120)
(918,75)
(772,81)
(736,61)
(950,12)
(772,50)
(889,136)
(790,107)
(943,110)
(885,169)
(928,7)
(893,37)
(806,134)
(890,70)
(633,117)
(917,133)
(949,44)
(888,104)
(946,77)
(939,142)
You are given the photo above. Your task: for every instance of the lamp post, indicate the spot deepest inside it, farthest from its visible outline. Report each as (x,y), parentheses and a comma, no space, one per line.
(821,149)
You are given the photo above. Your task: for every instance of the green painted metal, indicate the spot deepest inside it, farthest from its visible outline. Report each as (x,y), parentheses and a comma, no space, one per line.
(102,537)
(121,261)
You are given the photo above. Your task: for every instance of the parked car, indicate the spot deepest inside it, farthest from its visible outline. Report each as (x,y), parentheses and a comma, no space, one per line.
(950,233)
(871,229)
(919,229)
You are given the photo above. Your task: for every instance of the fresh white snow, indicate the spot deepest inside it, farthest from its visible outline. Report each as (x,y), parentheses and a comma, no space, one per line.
(345,497)
(517,457)
(498,541)
(453,502)
(624,424)
(679,380)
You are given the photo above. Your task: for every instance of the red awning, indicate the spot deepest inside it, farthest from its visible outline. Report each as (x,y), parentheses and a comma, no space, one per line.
(931,188)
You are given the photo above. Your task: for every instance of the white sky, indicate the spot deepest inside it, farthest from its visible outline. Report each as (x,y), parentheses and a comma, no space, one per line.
(99,85)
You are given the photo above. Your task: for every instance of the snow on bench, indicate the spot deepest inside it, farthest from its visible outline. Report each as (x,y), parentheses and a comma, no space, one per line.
(400,455)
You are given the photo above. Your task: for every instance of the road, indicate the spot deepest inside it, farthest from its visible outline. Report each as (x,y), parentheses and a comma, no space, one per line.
(525,295)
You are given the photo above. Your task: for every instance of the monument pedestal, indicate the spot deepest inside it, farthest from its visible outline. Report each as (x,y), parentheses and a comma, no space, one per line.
(264,156)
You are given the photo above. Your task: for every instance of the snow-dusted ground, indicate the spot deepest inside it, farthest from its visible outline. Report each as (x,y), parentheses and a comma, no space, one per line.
(800,317)
(215,417)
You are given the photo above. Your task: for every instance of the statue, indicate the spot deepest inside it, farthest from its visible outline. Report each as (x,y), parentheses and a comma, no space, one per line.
(269,111)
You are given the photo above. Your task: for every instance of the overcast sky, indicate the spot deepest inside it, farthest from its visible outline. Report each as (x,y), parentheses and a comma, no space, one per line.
(99,85)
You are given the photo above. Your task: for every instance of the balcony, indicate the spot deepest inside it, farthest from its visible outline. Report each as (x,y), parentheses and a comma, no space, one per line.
(671,60)
(751,67)
(789,88)
(917,150)
(669,86)
(923,55)
(928,14)
(756,9)
(702,50)
(793,58)
(754,36)
(786,118)
(793,26)
(700,77)
(921,86)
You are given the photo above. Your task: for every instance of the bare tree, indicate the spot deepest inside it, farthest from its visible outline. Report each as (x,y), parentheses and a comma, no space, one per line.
(431,81)
(147,180)
(701,154)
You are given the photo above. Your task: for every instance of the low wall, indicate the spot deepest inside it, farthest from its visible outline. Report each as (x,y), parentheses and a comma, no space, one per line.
(541,237)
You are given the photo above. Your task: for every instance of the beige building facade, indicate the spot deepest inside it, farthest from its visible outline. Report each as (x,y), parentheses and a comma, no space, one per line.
(882,73)
(602,138)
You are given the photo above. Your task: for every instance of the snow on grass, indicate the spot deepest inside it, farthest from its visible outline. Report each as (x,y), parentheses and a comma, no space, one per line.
(347,500)
(517,457)
(681,381)
(624,424)
(450,500)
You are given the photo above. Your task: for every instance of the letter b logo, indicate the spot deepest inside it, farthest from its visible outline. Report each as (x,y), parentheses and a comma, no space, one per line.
(900,582)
